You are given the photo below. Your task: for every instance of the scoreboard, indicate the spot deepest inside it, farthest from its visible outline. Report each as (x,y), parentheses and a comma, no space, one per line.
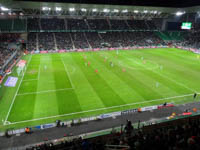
(186,25)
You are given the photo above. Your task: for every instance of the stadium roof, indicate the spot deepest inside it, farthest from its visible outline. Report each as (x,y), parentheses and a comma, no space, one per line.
(151,6)
(156,3)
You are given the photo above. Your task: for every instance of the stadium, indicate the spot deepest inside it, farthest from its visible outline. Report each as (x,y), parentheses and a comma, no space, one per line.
(99,75)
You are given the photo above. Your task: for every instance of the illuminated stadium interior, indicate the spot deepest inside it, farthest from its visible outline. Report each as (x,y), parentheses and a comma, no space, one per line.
(99,75)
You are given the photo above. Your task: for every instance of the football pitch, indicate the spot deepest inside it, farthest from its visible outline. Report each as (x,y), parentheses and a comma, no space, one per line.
(73,85)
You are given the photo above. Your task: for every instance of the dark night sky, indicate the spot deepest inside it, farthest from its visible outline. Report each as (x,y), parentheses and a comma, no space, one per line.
(159,3)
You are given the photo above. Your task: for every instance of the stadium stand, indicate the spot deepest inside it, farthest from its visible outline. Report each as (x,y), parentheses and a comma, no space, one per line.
(98,24)
(5,50)
(33,24)
(32,41)
(71,33)
(63,41)
(80,40)
(181,134)
(6,24)
(119,25)
(76,24)
(46,42)
(19,25)
(52,24)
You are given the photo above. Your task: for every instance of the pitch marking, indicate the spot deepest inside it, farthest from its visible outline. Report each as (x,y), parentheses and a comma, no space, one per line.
(106,108)
(67,73)
(164,76)
(48,91)
(13,100)
(29,80)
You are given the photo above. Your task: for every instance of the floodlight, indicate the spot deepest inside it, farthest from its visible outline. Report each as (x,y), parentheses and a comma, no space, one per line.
(106,10)
(135,11)
(83,9)
(179,13)
(4,8)
(116,10)
(58,8)
(155,12)
(94,10)
(145,11)
(46,8)
(125,11)
(71,9)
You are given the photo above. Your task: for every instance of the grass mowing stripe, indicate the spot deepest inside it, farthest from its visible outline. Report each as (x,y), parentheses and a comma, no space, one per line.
(67,101)
(120,84)
(149,73)
(39,72)
(87,97)
(138,83)
(164,76)
(67,73)
(103,90)
(45,101)
(178,63)
(171,69)
(106,108)
(48,91)
(30,80)
(191,68)
(16,94)
(191,60)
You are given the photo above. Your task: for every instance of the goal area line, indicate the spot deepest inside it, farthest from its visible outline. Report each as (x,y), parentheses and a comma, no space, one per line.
(100,109)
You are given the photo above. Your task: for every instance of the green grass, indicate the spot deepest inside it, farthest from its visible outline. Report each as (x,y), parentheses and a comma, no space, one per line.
(63,86)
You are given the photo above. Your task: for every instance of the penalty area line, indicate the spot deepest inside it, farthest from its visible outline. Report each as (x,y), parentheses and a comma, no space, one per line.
(13,100)
(29,80)
(105,108)
(66,70)
(48,91)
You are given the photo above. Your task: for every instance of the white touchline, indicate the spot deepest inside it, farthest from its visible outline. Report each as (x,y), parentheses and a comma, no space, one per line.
(13,100)
(67,73)
(48,91)
(38,72)
(106,108)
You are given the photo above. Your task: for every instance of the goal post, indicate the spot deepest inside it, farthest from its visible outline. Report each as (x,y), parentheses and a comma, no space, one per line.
(21,67)
(21,70)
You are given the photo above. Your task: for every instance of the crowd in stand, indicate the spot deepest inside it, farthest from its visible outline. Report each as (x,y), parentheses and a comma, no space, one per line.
(98,24)
(192,40)
(5,53)
(46,41)
(85,40)
(182,136)
(32,42)
(94,39)
(52,24)
(63,41)
(5,50)
(9,37)
(80,40)
(35,24)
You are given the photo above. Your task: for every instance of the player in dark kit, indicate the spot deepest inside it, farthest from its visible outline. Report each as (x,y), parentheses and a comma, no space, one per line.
(195,95)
